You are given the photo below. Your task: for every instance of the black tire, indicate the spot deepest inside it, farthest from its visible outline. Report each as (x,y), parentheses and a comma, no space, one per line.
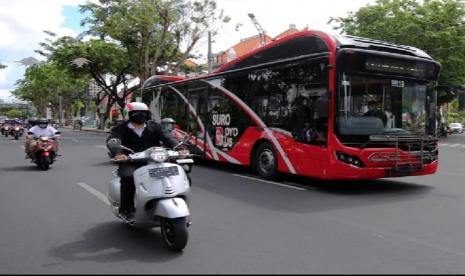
(16,137)
(174,232)
(265,161)
(45,163)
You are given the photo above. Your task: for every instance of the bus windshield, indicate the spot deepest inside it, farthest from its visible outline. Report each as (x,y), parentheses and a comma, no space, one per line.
(377,105)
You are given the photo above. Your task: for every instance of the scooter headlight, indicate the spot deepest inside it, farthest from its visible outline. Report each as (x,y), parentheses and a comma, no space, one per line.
(159,155)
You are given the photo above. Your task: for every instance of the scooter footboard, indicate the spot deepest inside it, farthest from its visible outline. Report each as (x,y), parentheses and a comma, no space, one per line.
(172,208)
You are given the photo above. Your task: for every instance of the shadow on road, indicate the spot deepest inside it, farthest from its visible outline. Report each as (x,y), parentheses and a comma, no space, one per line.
(321,195)
(108,163)
(115,242)
(31,167)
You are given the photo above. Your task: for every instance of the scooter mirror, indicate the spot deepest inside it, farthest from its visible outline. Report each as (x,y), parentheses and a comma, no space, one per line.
(114,144)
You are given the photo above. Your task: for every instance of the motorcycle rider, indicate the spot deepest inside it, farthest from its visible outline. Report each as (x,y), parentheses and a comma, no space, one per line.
(167,125)
(41,129)
(138,134)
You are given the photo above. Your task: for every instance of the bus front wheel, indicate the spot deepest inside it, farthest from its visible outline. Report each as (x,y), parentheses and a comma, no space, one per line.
(265,161)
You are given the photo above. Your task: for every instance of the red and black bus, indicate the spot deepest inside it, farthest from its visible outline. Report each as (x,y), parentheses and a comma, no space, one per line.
(312,104)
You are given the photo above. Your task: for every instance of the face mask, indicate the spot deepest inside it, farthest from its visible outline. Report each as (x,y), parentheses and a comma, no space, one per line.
(167,127)
(138,117)
(43,125)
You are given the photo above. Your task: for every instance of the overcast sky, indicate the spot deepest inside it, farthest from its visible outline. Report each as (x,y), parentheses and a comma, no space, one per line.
(22,23)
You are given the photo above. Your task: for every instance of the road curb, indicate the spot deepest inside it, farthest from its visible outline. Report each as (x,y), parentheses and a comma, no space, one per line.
(107,131)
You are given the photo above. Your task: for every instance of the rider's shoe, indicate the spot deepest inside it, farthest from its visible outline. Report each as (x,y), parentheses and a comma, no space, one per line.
(127,216)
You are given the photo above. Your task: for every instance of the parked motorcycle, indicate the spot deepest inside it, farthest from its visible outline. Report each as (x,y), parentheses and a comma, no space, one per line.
(162,193)
(44,152)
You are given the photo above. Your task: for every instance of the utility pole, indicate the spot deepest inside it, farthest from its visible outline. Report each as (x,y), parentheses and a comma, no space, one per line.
(210,56)
(61,110)
(261,32)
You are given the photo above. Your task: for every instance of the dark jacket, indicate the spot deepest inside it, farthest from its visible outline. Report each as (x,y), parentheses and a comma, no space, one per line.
(151,137)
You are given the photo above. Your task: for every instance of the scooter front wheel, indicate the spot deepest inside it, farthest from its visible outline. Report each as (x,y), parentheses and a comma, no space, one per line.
(174,232)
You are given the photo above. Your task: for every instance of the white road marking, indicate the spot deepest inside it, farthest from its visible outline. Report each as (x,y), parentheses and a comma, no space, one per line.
(454,145)
(270,182)
(101,146)
(72,139)
(94,192)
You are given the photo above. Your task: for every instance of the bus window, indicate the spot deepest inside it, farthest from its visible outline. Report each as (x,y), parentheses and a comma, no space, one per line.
(226,121)
(197,100)
(293,98)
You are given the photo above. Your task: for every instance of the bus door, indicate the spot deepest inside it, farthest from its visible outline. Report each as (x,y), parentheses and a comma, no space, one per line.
(312,150)
(196,118)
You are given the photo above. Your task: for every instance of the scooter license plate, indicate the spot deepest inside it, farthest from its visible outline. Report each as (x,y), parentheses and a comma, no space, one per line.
(163,172)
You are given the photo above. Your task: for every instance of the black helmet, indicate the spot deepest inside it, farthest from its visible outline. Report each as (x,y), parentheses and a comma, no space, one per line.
(42,123)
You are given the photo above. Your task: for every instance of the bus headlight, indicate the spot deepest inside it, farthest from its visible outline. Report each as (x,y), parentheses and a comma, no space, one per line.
(159,155)
(349,159)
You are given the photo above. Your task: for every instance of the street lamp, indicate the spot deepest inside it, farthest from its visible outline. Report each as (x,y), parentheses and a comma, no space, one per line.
(80,62)
(28,61)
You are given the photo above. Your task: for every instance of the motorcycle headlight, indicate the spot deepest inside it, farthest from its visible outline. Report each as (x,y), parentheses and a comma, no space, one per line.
(159,155)
(17,128)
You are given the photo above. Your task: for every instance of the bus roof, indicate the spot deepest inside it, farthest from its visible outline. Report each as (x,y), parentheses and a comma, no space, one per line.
(161,79)
(297,45)
(332,42)
(348,41)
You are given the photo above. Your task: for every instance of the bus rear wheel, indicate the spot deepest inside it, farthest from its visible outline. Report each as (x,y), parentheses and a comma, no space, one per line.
(265,161)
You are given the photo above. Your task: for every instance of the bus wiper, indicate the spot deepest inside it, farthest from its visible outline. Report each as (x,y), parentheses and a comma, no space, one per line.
(365,144)
(396,131)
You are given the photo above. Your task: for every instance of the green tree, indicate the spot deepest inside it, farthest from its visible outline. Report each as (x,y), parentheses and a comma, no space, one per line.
(46,83)
(108,64)
(15,113)
(435,26)
(157,34)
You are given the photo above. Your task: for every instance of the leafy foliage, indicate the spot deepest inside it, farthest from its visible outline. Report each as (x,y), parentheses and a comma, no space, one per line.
(157,34)
(44,84)
(15,113)
(435,26)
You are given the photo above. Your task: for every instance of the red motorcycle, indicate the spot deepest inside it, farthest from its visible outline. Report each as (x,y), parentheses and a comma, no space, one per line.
(44,152)
(6,128)
(17,131)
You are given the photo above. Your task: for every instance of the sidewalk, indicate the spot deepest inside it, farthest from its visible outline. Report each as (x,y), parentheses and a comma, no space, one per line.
(89,129)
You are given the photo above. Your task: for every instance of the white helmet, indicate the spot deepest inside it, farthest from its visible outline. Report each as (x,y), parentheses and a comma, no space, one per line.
(168,121)
(138,112)
(136,106)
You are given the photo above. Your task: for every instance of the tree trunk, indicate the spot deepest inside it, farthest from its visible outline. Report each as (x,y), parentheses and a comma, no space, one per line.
(106,115)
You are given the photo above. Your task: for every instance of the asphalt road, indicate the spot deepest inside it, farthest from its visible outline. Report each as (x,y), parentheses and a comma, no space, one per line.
(52,224)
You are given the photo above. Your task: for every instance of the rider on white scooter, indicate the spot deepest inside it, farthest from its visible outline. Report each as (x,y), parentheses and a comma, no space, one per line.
(138,134)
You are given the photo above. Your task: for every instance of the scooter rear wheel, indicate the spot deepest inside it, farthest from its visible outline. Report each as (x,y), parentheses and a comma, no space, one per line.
(174,232)
(45,163)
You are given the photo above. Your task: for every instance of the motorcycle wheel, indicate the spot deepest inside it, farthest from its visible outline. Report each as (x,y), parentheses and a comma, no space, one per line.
(45,163)
(174,232)
(16,137)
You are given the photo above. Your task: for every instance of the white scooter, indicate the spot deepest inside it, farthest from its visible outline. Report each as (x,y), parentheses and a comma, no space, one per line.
(162,193)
